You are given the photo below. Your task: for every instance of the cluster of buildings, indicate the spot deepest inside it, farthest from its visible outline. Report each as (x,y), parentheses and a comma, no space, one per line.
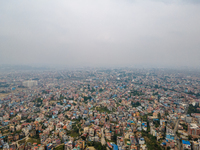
(111,109)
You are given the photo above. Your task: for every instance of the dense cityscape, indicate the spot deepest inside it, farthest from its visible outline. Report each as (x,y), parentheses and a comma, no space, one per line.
(125,109)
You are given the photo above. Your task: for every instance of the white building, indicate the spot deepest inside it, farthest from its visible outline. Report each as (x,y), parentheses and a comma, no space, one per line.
(30,83)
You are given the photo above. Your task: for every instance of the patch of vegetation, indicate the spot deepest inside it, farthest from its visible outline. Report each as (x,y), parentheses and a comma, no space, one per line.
(115,137)
(93,90)
(38,102)
(97,145)
(3,92)
(151,141)
(156,123)
(178,134)
(86,98)
(156,93)
(60,147)
(61,97)
(136,93)
(21,86)
(191,93)
(60,77)
(135,104)
(115,122)
(17,132)
(159,116)
(193,109)
(185,127)
(22,141)
(4,84)
(103,109)
(36,79)
(101,90)
(32,140)
(44,92)
(73,134)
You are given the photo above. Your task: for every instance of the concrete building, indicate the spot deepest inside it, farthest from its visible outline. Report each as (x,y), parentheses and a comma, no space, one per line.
(30,83)
(195,145)
(193,129)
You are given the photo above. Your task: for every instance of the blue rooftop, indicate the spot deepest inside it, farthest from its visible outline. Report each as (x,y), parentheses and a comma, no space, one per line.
(115,147)
(186,142)
(142,139)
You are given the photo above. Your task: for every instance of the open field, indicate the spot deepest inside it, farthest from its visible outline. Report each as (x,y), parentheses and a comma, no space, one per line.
(3,95)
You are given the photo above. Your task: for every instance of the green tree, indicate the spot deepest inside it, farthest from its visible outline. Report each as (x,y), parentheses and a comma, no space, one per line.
(189,137)
(159,116)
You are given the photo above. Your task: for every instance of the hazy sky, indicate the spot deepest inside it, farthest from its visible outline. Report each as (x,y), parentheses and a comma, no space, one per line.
(100,32)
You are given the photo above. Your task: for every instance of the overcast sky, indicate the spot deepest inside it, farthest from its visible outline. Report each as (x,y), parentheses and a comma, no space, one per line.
(100,32)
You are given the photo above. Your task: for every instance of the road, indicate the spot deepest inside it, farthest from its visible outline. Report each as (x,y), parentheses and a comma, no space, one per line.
(175,129)
(62,75)
(103,141)
(16,142)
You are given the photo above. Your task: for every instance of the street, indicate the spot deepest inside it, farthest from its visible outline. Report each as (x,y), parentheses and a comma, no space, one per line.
(175,129)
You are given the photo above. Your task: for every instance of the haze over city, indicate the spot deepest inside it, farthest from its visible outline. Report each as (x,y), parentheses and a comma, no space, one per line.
(102,33)
(100,75)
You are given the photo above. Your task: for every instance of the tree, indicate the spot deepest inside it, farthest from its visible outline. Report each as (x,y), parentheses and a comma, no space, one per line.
(135,104)
(159,116)
(101,90)
(61,147)
(84,138)
(98,145)
(115,138)
(189,137)
(166,113)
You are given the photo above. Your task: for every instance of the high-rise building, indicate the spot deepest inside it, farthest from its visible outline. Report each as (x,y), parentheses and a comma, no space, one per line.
(30,83)
(193,129)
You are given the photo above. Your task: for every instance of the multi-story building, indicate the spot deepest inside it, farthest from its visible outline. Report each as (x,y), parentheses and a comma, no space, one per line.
(193,129)
(30,83)
(196,145)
